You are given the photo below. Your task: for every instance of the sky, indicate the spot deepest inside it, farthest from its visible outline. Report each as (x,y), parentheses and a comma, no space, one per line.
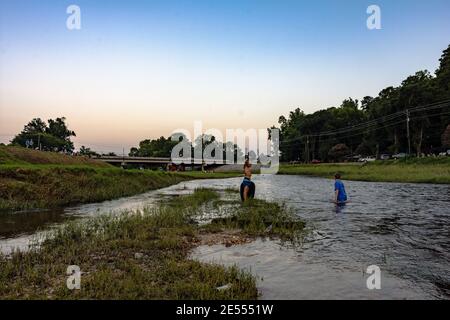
(142,69)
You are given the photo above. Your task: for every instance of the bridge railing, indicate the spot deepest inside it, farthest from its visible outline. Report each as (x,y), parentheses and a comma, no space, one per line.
(161,160)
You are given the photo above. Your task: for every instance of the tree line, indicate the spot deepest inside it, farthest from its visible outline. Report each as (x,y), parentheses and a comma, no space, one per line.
(375,125)
(162,147)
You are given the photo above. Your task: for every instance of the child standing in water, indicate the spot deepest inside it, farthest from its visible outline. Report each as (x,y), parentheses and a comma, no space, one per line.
(340,196)
(247,186)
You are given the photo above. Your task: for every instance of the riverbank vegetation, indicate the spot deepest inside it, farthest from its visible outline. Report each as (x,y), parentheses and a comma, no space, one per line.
(18,156)
(432,170)
(56,186)
(35,179)
(143,256)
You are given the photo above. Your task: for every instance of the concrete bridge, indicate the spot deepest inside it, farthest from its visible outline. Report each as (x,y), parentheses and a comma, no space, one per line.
(153,161)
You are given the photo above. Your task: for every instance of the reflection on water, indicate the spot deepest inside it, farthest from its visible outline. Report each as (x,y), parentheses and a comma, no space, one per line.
(402,228)
(18,229)
(16,224)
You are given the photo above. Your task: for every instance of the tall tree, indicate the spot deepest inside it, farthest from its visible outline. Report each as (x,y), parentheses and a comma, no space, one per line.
(415,91)
(443,75)
(161,147)
(54,136)
(446,137)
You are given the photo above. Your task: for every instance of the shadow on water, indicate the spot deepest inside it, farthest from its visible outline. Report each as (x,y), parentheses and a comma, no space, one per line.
(27,223)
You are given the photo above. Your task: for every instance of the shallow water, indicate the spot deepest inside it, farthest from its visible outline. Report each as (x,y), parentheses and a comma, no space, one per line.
(402,228)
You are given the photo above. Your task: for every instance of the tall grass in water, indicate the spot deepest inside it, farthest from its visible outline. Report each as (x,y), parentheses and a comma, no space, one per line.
(259,218)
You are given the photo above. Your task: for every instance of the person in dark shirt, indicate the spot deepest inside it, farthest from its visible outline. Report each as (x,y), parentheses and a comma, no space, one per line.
(340,196)
(247,189)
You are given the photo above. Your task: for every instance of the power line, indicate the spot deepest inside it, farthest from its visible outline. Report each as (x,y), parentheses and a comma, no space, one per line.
(435,104)
(373,124)
(352,135)
(369,129)
(359,126)
(385,118)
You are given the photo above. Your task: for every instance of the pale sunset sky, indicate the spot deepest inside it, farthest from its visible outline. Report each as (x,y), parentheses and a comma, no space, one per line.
(141,69)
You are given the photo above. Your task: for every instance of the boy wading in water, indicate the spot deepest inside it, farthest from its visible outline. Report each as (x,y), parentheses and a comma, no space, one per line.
(340,196)
(247,186)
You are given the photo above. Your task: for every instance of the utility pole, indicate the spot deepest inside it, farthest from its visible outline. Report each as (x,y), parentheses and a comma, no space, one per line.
(307,150)
(407,132)
(123,158)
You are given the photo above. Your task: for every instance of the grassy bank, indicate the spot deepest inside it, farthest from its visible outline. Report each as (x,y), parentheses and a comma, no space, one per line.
(142,256)
(33,179)
(17,156)
(26,187)
(413,170)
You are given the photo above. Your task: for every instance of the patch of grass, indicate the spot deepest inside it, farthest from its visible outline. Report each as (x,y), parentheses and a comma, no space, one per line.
(231,190)
(22,156)
(260,218)
(199,197)
(137,256)
(411,170)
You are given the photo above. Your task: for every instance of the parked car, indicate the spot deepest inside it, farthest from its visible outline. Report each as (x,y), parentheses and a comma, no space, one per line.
(352,158)
(315,161)
(385,156)
(367,159)
(399,155)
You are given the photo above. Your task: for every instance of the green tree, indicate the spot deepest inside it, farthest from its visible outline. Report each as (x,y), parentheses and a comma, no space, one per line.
(446,137)
(338,152)
(161,147)
(443,76)
(54,136)
(417,91)
(84,151)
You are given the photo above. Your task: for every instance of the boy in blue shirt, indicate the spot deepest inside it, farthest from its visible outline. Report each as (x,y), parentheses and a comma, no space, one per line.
(339,190)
